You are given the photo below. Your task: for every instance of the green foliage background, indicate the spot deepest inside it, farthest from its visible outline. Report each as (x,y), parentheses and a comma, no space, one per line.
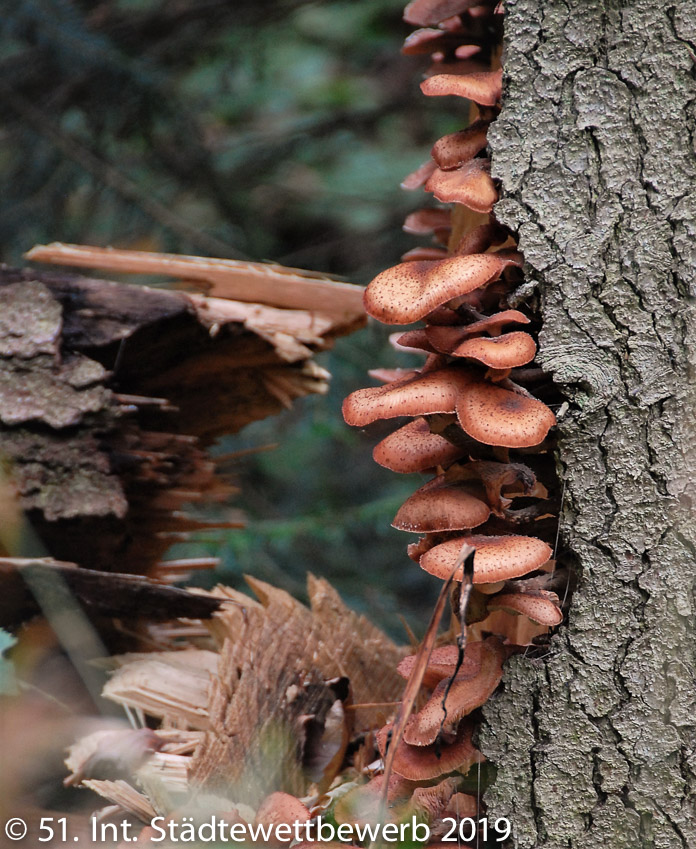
(251,129)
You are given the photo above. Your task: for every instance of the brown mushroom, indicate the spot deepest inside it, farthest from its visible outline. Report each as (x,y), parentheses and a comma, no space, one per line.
(455,149)
(479,239)
(500,352)
(422,763)
(409,291)
(496,416)
(413,342)
(442,506)
(281,809)
(413,395)
(427,220)
(470,184)
(433,801)
(419,177)
(441,664)
(426,253)
(473,684)
(425,13)
(541,606)
(413,448)
(497,558)
(483,87)
(448,339)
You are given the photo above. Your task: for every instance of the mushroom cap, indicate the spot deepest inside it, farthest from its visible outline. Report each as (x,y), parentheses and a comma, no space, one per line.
(501,352)
(422,763)
(496,416)
(455,149)
(413,341)
(428,39)
(414,395)
(281,808)
(471,185)
(483,87)
(441,664)
(409,291)
(413,448)
(423,252)
(426,220)
(447,339)
(473,684)
(443,506)
(425,13)
(540,606)
(497,558)
(479,239)
(418,178)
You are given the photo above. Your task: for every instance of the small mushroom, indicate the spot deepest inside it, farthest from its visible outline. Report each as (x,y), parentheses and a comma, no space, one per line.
(422,763)
(281,809)
(409,291)
(471,185)
(541,606)
(500,352)
(426,253)
(473,684)
(497,558)
(441,664)
(442,506)
(448,339)
(479,239)
(433,801)
(496,416)
(413,341)
(413,448)
(419,177)
(483,87)
(425,13)
(427,220)
(455,149)
(413,395)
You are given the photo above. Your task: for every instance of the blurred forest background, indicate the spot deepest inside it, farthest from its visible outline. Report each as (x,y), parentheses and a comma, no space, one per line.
(254,129)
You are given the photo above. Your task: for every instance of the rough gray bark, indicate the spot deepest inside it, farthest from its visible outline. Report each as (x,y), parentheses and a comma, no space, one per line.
(595,743)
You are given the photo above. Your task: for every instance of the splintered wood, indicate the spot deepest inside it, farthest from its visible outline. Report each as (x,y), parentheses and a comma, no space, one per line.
(270,705)
(110,393)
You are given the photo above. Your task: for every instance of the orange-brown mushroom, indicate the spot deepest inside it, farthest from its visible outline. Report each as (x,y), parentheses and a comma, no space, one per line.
(409,291)
(497,558)
(281,809)
(541,606)
(473,684)
(448,339)
(496,416)
(483,87)
(418,178)
(422,763)
(427,253)
(442,506)
(413,448)
(455,149)
(427,220)
(413,395)
(425,13)
(441,664)
(413,341)
(471,185)
(500,352)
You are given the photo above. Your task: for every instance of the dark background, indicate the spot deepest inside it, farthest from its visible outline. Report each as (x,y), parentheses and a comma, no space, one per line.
(257,130)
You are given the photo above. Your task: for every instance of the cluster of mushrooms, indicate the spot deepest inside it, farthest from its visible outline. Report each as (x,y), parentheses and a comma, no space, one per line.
(469,405)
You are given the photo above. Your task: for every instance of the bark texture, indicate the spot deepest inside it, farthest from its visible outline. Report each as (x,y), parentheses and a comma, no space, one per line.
(595,742)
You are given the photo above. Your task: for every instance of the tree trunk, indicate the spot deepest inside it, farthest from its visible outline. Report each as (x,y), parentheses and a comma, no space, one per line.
(594,742)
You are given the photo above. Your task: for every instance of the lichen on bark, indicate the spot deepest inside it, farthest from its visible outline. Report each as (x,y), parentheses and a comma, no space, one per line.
(595,742)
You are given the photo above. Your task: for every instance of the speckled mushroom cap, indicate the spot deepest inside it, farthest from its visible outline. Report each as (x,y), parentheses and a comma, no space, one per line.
(540,606)
(441,664)
(419,395)
(422,763)
(280,808)
(483,87)
(411,340)
(471,185)
(501,352)
(443,506)
(454,149)
(478,677)
(497,558)
(409,291)
(497,416)
(413,448)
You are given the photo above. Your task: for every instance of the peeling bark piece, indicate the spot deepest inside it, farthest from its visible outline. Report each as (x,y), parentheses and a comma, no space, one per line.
(425,13)
(30,320)
(470,184)
(413,448)
(541,606)
(476,680)
(483,87)
(496,416)
(501,352)
(497,558)
(422,763)
(454,149)
(409,291)
(442,506)
(419,395)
